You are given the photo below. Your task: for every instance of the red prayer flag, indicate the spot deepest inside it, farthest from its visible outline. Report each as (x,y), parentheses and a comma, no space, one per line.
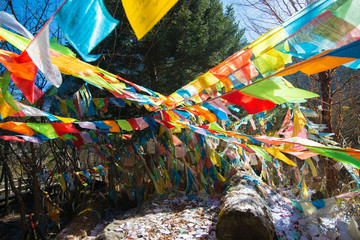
(251,104)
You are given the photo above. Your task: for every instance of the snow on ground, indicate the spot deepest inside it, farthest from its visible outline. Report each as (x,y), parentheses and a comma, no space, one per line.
(164,218)
(184,218)
(290,223)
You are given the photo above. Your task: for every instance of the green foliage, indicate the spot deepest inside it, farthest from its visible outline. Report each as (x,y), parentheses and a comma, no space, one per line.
(193,37)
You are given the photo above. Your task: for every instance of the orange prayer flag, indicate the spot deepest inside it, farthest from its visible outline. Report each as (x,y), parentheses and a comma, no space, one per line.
(18,127)
(114,126)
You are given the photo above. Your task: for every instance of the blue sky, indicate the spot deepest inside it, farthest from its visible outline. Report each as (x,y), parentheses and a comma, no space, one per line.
(239,13)
(265,20)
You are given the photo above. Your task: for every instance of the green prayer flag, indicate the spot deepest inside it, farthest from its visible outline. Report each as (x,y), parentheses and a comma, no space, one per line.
(17,41)
(69,136)
(125,125)
(45,129)
(60,48)
(4,84)
(261,152)
(337,155)
(276,91)
(216,127)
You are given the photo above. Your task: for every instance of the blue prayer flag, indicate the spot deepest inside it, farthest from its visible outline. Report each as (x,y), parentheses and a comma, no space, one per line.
(85,24)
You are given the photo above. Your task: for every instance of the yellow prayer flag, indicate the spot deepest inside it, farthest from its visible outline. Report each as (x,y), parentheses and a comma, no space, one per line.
(312,167)
(277,154)
(63,108)
(215,158)
(299,122)
(144,14)
(304,190)
(65,119)
(308,208)
(267,59)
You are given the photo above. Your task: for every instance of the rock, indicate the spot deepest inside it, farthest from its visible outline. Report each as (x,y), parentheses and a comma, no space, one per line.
(111,235)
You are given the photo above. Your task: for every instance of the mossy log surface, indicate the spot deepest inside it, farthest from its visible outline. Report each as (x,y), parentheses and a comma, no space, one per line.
(244,213)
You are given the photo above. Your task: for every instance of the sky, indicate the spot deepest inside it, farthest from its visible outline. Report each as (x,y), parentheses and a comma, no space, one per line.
(269,23)
(239,14)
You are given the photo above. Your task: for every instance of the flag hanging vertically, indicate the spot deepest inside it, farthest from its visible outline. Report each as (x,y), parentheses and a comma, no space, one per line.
(144,14)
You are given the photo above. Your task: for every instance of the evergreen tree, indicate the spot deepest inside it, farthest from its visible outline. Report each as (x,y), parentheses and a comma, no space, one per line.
(193,37)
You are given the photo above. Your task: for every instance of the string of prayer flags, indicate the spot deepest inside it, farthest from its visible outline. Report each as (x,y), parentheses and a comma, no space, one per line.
(144,14)
(268,60)
(324,61)
(85,23)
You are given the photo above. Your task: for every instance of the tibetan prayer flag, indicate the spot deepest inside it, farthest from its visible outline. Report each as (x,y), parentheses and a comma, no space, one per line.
(144,14)
(203,112)
(64,128)
(325,60)
(125,125)
(337,154)
(251,104)
(11,22)
(19,42)
(113,125)
(303,155)
(30,138)
(214,126)
(267,59)
(6,95)
(87,125)
(277,154)
(134,124)
(5,109)
(23,72)
(18,127)
(299,122)
(261,152)
(39,52)
(85,23)
(276,90)
(45,129)
(12,138)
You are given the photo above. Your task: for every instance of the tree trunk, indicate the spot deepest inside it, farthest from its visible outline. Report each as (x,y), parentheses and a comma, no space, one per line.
(244,213)
(18,196)
(6,194)
(35,184)
(324,78)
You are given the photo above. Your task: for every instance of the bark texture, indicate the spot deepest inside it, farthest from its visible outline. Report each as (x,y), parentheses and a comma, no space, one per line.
(244,213)
(324,78)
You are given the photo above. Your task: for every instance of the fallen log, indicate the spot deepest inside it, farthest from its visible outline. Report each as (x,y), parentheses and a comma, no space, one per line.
(84,222)
(244,213)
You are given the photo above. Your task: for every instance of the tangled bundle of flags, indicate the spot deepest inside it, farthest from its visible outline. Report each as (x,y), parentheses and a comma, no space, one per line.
(192,141)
